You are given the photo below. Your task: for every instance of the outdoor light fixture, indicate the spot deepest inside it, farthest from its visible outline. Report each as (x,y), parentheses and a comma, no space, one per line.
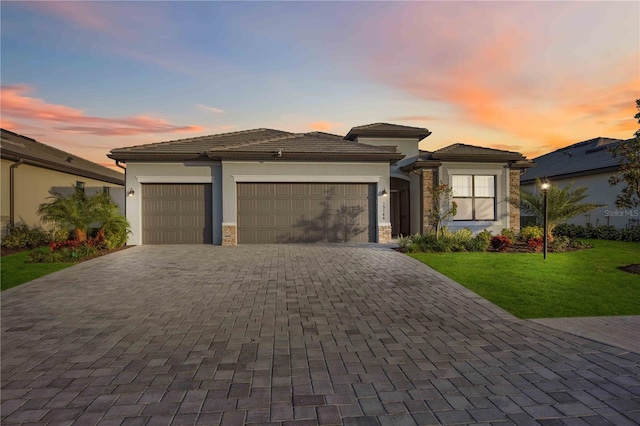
(545,185)
(131,192)
(384,192)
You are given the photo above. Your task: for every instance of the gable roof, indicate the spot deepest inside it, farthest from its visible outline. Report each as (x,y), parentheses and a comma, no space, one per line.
(260,144)
(387,130)
(583,158)
(469,153)
(14,146)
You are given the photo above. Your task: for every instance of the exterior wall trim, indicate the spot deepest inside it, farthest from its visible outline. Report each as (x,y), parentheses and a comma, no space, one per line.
(175,179)
(319,179)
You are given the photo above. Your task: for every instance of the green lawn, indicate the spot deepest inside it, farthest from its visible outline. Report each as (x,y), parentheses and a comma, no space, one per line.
(582,283)
(14,269)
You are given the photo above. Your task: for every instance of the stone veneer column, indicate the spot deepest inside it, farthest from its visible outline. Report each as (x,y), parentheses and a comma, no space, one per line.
(429,180)
(514,190)
(229,235)
(384,234)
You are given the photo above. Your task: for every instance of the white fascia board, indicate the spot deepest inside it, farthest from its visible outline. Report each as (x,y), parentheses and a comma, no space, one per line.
(175,179)
(319,179)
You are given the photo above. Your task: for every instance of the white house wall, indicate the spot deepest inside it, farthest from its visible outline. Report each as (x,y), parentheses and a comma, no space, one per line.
(600,192)
(255,171)
(197,172)
(502,193)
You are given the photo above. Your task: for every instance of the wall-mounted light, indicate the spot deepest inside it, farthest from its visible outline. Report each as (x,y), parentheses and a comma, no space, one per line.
(384,192)
(131,192)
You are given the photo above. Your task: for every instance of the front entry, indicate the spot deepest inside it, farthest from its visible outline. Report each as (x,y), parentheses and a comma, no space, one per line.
(399,207)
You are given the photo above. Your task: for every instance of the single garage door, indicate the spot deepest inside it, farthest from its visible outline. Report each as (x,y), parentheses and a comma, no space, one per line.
(306,212)
(176,214)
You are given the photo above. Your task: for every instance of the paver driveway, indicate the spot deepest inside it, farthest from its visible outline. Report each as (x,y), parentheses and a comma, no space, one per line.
(291,333)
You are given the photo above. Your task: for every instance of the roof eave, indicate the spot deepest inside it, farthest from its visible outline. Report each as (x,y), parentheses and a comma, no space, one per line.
(352,135)
(421,164)
(478,158)
(155,156)
(51,165)
(305,156)
(574,174)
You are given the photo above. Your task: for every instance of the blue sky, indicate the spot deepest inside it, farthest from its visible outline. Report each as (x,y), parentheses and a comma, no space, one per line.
(526,76)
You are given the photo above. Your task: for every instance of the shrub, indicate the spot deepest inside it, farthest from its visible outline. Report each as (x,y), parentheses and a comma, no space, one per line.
(561,243)
(508,232)
(23,237)
(403,242)
(531,232)
(536,244)
(461,239)
(485,235)
(606,233)
(500,243)
(570,230)
(478,243)
(630,234)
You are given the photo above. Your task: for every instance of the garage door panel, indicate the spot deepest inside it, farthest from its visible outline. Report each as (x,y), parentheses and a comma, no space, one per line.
(176,214)
(306,212)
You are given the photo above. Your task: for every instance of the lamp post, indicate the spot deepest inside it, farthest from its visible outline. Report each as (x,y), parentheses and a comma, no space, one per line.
(545,188)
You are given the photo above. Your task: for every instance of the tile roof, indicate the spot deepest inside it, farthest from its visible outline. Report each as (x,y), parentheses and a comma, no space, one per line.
(258,142)
(459,151)
(587,157)
(387,130)
(15,146)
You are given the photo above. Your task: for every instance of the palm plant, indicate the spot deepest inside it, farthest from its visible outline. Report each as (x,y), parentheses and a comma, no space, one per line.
(79,212)
(562,203)
(69,212)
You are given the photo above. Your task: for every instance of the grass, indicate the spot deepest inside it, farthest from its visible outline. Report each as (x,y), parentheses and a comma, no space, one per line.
(573,284)
(14,269)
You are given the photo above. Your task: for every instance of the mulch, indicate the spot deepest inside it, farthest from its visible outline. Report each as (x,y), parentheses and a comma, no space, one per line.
(633,268)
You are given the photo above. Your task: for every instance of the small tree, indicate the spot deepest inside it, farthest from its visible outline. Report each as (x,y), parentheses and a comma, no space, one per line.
(562,203)
(443,208)
(628,154)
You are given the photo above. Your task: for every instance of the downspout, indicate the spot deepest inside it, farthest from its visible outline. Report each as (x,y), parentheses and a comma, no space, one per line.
(12,191)
(125,185)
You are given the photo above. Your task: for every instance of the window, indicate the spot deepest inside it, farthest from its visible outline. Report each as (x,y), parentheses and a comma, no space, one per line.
(105,189)
(80,185)
(475,196)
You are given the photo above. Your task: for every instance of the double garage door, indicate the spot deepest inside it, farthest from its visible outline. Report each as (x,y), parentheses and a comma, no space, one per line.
(266,213)
(306,212)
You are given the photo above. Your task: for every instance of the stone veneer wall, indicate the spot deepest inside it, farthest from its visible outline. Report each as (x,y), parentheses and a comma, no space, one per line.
(229,235)
(429,179)
(514,190)
(384,234)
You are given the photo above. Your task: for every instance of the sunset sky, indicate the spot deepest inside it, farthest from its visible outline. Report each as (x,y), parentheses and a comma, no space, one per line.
(87,77)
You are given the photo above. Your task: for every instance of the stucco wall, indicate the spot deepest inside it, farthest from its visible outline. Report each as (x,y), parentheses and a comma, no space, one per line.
(599,192)
(32,186)
(502,193)
(246,171)
(183,172)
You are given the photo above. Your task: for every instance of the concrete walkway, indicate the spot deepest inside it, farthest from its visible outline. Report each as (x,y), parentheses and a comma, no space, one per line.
(293,335)
(622,331)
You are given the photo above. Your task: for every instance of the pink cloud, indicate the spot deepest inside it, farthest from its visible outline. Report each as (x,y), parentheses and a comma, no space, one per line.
(16,105)
(210,109)
(324,126)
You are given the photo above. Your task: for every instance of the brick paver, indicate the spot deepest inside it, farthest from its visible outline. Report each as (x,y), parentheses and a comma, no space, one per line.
(291,334)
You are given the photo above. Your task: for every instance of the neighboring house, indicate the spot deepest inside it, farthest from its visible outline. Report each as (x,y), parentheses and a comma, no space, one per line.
(31,169)
(588,163)
(271,186)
